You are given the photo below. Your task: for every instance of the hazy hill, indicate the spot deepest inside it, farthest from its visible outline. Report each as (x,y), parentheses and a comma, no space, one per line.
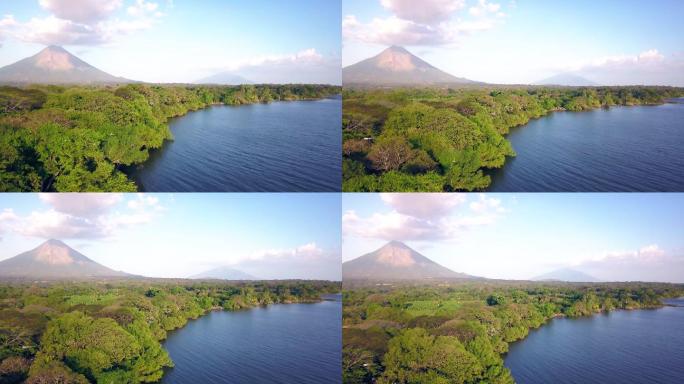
(396,261)
(224,273)
(54,65)
(54,260)
(395,66)
(225,78)
(567,79)
(566,274)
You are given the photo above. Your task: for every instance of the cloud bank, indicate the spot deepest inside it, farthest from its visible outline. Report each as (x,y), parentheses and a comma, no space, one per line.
(649,263)
(301,262)
(423,217)
(82,22)
(81,216)
(650,67)
(305,67)
(426,23)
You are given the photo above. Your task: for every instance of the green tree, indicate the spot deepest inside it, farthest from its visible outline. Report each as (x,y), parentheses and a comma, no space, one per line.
(418,357)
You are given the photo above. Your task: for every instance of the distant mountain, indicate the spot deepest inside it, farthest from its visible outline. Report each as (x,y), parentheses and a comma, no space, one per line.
(567,274)
(396,261)
(54,65)
(567,79)
(224,78)
(54,260)
(224,273)
(395,66)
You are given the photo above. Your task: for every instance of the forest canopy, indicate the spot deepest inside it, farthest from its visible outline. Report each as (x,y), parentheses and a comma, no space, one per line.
(435,140)
(457,332)
(110,331)
(79,139)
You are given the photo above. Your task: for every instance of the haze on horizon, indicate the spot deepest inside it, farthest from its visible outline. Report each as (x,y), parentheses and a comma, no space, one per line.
(181,41)
(269,236)
(609,42)
(611,237)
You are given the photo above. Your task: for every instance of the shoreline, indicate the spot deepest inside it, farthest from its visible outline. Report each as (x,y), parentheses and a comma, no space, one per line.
(490,171)
(603,312)
(223,310)
(131,170)
(562,316)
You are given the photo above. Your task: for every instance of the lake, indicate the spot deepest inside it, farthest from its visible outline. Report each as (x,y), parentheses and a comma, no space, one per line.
(604,150)
(278,147)
(642,346)
(285,343)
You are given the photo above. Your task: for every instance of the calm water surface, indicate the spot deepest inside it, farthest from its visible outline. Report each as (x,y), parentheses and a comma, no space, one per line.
(283,146)
(288,343)
(643,346)
(603,150)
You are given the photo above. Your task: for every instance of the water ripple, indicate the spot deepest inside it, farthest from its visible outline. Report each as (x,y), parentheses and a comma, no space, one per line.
(277,147)
(617,150)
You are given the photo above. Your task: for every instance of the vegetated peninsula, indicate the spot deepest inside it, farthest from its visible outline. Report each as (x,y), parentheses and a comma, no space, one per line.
(83,328)
(457,331)
(78,137)
(444,137)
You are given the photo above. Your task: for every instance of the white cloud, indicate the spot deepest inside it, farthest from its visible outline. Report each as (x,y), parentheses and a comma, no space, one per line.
(81,22)
(143,201)
(7,215)
(486,204)
(423,205)
(301,262)
(81,11)
(8,21)
(142,8)
(483,8)
(7,218)
(81,204)
(648,263)
(82,216)
(647,254)
(422,217)
(52,224)
(428,23)
(306,66)
(309,251)
(426,11)
(649,67)
(306,56)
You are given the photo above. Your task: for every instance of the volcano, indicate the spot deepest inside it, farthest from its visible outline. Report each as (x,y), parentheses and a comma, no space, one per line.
(54,260)
(55,65)
(395,66)
(397,261)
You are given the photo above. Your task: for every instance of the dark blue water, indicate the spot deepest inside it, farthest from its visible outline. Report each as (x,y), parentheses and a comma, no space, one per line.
(289,343)
(278,147)
(604,150)
(644,346)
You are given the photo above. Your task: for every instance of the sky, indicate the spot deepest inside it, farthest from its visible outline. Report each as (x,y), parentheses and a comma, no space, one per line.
(612,237)
(270,236)
(181,40)
(609,42)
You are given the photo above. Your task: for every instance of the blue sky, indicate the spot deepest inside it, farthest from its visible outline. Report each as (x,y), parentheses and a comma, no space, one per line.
(180,40)
(162,235)
(613,237)
(609,42)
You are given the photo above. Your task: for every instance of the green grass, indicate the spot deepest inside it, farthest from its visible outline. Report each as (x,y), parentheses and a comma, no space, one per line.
(105,299)
(432,307)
